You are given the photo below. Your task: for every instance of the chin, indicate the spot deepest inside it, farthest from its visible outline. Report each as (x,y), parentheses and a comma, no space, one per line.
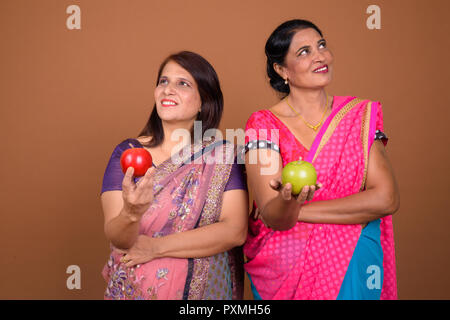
(325,82)
(174,117)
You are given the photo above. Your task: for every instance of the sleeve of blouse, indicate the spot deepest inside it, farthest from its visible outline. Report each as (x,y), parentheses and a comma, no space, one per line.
(379,127)
(112,179)
(260,132)
(237,179)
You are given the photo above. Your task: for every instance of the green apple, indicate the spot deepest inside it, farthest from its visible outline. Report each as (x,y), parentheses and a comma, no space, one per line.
(299,174)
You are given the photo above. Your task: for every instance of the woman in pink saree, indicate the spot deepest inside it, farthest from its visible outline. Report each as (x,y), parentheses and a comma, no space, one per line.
(335,240)
(176,233)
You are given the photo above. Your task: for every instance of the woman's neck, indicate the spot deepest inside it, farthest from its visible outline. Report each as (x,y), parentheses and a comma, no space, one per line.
(176,136)
(308,102)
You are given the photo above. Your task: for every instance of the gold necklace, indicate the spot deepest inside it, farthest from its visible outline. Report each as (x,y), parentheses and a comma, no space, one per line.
(306,122)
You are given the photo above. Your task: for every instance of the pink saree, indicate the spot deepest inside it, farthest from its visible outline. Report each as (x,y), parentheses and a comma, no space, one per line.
(187,195)
(310,261)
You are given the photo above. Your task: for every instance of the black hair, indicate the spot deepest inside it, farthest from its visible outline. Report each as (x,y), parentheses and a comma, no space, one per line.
(208,87)
(277,47)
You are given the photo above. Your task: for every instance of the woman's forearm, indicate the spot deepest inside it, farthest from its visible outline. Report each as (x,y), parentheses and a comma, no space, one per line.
(200,242)
(123,230)
(358,208)
(279,214)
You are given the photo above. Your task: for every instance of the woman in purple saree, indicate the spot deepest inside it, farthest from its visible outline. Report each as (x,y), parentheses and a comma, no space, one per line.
(176,232)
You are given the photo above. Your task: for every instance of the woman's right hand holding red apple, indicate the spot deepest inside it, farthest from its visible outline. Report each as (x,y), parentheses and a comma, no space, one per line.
(137,197)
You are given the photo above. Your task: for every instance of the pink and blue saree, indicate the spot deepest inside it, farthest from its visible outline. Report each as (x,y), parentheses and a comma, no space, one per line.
(324,261)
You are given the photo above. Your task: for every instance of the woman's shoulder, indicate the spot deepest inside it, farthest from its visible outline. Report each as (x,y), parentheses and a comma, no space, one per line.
(260,119)
(130,143)
(362,104)
(127,144)
(342,99)
(355,102)
(262,113)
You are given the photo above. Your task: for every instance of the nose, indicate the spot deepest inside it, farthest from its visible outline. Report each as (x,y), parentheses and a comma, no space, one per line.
(319,56)
(169,89)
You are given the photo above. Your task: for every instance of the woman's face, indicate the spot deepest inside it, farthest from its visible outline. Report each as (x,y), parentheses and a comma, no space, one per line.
(176,95)
(309,62)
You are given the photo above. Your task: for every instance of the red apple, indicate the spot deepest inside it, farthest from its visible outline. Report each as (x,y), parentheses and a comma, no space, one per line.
(138,158)
(299,174)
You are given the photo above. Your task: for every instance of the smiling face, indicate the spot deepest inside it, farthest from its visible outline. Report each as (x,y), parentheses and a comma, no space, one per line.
(176,95)
(308,63)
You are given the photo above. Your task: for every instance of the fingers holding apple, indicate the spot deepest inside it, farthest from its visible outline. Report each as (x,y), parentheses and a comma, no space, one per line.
(309,191)
(256,213)
(303,195)
(312,190)
(285,191)
(275,184)
(146,182)
(137,197)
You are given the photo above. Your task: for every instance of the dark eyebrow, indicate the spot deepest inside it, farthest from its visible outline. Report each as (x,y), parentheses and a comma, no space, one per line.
(184,79)
(304,47)
(307,47)
(179,78)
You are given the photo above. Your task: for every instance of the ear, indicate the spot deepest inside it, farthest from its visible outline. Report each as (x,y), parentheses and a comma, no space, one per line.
(282,72)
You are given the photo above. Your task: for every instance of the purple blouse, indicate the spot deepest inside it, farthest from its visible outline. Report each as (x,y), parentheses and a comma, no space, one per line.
(112,179)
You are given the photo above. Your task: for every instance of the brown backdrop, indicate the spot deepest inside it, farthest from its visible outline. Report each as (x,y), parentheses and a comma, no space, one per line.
(69,96)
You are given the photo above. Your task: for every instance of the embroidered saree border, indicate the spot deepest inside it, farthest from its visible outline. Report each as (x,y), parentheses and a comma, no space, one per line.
(211,212)
(365,128)
(334,123)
